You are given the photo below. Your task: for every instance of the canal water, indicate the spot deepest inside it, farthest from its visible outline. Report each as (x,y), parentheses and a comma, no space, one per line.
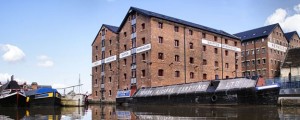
(153,112)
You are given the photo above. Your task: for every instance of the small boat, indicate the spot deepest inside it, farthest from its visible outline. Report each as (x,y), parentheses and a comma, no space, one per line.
(43,97)
(12,95)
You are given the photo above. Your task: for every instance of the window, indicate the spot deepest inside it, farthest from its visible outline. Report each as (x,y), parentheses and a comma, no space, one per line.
(160,39)
(143,56)
(253,62)
(217,77)
(176,28)
(203,35)
(264,61)
(133,29)
(143,73)
(226,41)
(235,43)
(133,42)
(216,64)
(204,62)
(258,62)
(226,52)
(125,34)
(236,66)
(226,65)
(204,76)
(160,72)
(143,26)
(109,92)
(125,61)
(177,74)
(96,47)
(103,43)
(177,58)
(125,76)
(191,45)
(248,63)
(96,69)
(109,78)
(176,43)
(191,75)
(242,53)
(133,57)
(262,40)
(161,56)
(216,50)
(204,48)
(191,32)
(215,38)
(191,60)
(227,77)
(252,52)
(96,81)
(102,80)
(133,73)
(160,25)
(236,54)
(96,57)
(109,52)
(143,40)
(103,32)
(103,55)
(257,51)
(125,47)
(96,93)
(109,65)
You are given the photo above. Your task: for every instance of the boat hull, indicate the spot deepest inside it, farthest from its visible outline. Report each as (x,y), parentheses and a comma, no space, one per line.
(50,100)
(13,100)
(229,97)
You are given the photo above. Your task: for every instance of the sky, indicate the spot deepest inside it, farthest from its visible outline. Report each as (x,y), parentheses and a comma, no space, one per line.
(49,41)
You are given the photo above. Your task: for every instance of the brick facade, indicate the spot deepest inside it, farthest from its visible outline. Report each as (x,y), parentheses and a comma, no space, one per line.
(179,54)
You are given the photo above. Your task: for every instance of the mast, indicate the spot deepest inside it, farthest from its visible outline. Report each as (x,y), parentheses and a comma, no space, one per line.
(79,84)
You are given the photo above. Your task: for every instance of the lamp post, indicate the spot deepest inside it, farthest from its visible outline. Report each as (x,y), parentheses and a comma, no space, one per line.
(290,74)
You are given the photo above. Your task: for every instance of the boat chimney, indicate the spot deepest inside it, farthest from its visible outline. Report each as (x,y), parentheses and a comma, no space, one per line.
(12,78)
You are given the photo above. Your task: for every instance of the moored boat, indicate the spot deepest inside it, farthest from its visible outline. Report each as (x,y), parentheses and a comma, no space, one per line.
(217,92)
(73,99)
(11,95)
(43,97)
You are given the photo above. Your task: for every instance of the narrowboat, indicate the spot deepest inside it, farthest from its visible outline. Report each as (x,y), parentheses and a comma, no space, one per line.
(12,95)
(217,92)
(43,97)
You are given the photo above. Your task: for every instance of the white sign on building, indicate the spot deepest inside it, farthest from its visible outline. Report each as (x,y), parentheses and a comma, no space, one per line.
(94,64)
(125,54)
(143,48)
(110,59)
(225,46)
(277,47)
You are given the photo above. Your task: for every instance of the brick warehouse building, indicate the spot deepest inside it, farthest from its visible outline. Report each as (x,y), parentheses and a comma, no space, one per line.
(263,50)
(150,49)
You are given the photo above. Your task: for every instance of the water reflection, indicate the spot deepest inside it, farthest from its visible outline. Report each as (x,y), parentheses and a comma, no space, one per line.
(112,112)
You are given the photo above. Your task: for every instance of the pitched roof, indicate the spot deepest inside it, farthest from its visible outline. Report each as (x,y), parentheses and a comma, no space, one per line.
(111,28)
(256,33)
(293,55)
(10,85)
(114,29)
(289,35)
(176,20)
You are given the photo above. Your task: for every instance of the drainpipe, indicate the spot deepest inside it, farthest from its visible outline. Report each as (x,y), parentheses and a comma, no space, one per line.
(184,52)
(222,56)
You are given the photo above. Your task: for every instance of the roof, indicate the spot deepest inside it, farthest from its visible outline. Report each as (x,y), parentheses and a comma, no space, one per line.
(293,55)
(114,29)
(256,33)
(10,85)
(111,28)
(176,20)
(289,35)
(45,90)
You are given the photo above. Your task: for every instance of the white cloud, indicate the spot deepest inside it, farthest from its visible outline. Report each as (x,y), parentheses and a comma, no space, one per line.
(297,8)
(12,53)
(286,21)
(44,61)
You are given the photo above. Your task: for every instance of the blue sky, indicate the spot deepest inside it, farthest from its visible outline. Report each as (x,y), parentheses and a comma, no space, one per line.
(49,41)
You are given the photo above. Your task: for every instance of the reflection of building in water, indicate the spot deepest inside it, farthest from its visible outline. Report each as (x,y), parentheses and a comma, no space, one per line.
(104,112)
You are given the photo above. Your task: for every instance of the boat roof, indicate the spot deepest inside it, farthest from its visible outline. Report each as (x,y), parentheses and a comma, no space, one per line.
(45,90)
(10,85)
